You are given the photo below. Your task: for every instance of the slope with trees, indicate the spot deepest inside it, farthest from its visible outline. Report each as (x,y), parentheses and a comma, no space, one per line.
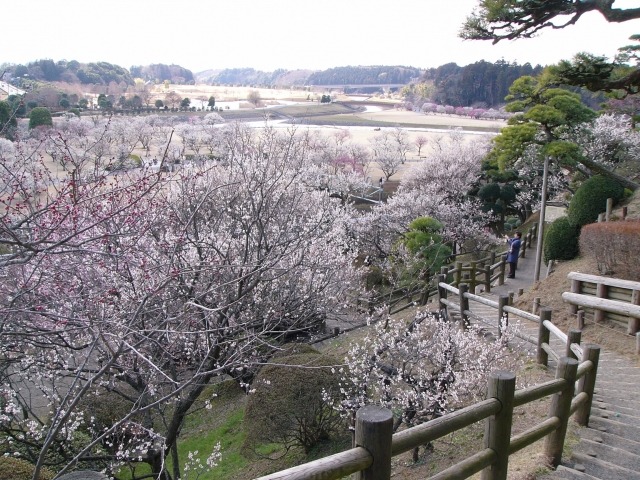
(158,73)
(141,289)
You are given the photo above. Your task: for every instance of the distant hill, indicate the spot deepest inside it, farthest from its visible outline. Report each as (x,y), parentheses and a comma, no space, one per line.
(101,73)
(96,73)
(251,76)
(158,73)
(368,75)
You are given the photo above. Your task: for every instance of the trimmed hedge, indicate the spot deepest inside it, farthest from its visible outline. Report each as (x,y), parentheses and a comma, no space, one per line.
(614,246)
(591,199)
(12,468)
(561,240)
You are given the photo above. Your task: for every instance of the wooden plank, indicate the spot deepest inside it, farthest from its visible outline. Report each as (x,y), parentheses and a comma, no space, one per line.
(613,306)
(613,282)
(622,294)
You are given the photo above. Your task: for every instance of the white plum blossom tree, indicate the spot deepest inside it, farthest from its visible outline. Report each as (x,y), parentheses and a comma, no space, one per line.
(420,370)
(141,289)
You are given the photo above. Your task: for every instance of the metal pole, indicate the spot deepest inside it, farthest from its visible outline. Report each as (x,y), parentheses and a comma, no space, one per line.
(543,207)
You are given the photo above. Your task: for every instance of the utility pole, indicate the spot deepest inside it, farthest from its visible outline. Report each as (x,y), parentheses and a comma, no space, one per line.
(543,208)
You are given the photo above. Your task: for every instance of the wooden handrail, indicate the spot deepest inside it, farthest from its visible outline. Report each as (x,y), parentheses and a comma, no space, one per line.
(497,449)
(613,296)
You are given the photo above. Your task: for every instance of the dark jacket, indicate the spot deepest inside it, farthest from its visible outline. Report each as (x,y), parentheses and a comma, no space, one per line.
(514,250)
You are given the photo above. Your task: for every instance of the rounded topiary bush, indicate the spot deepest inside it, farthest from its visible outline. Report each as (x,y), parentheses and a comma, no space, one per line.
(12,468)
(287,404)
(561,240)
(39,117)
(591,199)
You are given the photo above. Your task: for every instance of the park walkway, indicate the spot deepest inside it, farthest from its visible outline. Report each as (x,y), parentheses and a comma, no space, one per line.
(609,448)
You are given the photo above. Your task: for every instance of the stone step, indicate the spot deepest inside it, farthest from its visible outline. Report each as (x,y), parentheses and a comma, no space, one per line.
(616,382)
(619,414)
(602,469)
(615,394)
(626,370)
(609,453)
(568,474)
(615,428)
(610,439)
(612,403)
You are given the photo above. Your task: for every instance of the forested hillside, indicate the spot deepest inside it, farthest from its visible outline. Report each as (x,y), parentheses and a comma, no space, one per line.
(160,72)
(93,73)
(370,75)
(478,83)
(70,72)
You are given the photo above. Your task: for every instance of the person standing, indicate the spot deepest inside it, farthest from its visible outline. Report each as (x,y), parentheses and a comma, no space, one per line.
(514,251)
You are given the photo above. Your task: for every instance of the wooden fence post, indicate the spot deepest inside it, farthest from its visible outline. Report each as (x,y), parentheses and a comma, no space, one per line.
(601,292)
(575,288)
(525,245)
(511,295)
(543,337)
(374,429)
(550,267)
(638,343)
(445,271)
(503,264)
(442,295)
(580,320)
(624,213)
(536,305)
(497,429)
(458,273)
(503,301)
(607,216)
(487,278)
(587,383)
(561,408)
(573,336)
(464,305)
(634,323)
(472,280)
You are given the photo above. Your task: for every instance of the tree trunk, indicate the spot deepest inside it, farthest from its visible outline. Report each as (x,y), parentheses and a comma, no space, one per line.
(602,170)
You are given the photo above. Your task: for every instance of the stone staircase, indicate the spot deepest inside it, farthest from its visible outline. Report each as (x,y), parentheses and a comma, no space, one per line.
(609,448)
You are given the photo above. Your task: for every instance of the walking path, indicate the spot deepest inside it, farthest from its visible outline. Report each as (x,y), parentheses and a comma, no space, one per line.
(609,448)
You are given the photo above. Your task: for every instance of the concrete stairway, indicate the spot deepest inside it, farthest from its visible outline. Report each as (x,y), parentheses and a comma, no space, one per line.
(609,448)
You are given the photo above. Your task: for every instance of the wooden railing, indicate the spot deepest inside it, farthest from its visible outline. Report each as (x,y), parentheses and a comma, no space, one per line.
(483,272)
(461,307)
(376,445)
(603,297)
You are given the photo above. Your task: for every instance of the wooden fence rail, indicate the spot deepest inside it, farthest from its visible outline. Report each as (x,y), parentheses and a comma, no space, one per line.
(480,272)
(376,445)
(571,395)
(612,298)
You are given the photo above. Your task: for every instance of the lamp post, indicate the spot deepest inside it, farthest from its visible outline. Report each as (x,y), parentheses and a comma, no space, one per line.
(543,208)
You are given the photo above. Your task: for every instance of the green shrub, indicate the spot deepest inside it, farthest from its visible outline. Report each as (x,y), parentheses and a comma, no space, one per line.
(591,199)
(561,240)
(18,469)
(40,116)
(287,405)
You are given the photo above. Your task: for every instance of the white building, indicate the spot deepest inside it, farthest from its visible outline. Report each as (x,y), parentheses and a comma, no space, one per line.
(7,90)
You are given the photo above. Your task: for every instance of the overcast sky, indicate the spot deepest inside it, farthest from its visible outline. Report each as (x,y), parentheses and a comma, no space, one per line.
(270,34)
